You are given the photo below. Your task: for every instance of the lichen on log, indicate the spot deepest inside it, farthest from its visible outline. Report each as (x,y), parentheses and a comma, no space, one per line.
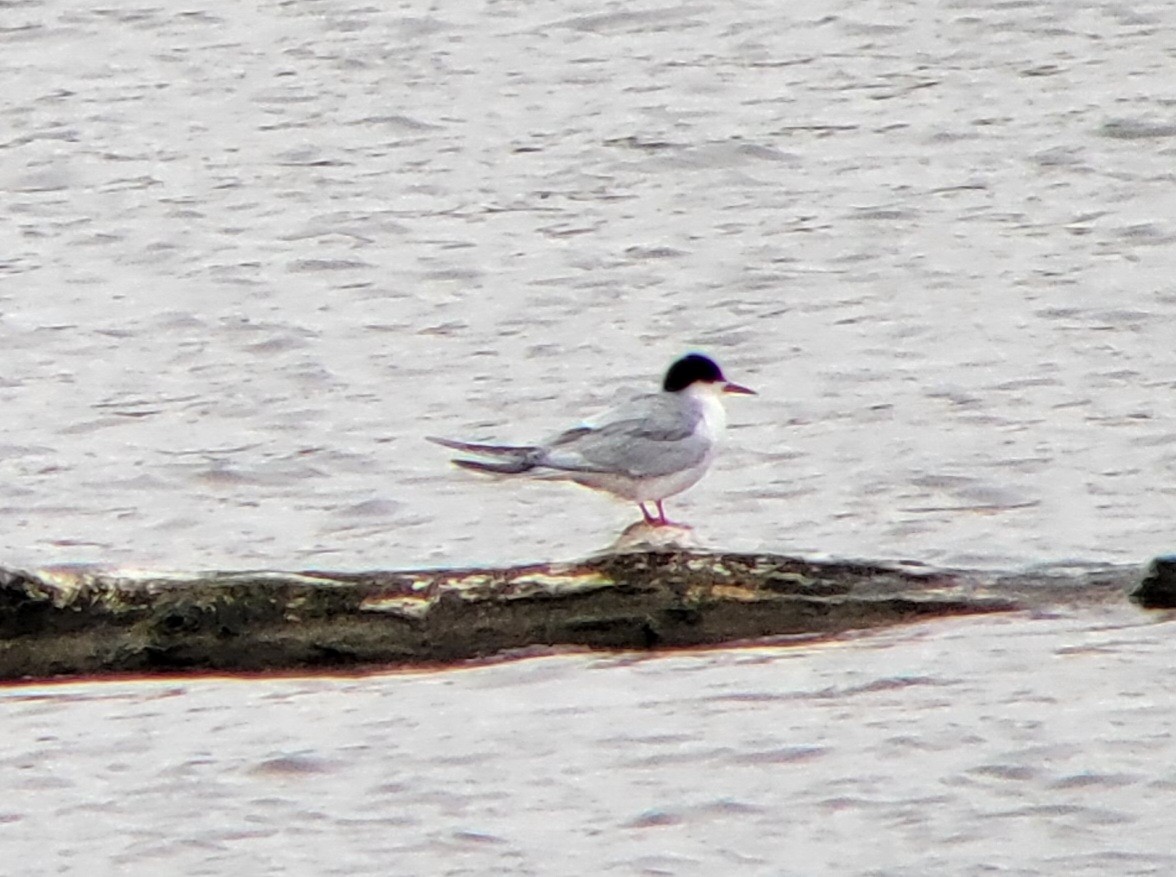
(83,622)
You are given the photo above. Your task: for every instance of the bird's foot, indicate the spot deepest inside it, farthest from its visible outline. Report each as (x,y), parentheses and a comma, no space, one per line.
(660,519)
(665,522)
(646,535)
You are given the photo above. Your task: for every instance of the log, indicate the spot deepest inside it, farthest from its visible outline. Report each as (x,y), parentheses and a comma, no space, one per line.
(1157,590)
(74,621)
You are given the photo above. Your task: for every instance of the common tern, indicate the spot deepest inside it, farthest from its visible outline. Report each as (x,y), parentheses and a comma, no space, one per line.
(652,447)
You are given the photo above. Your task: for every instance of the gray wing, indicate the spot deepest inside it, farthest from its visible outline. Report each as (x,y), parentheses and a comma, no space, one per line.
(651,435)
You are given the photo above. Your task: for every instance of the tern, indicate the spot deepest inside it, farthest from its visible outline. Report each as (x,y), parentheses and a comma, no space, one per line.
(653,446)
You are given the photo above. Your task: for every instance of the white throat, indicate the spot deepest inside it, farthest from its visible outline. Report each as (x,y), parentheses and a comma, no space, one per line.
(707,399)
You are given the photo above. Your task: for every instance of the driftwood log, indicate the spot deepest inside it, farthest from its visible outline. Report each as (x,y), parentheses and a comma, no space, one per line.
(71,622)
(1158,588)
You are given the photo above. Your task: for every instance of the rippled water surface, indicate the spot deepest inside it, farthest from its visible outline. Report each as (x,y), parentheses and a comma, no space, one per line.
(959,747)
(251,254)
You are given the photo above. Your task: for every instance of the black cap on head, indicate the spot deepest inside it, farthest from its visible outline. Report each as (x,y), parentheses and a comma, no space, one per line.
(692,369)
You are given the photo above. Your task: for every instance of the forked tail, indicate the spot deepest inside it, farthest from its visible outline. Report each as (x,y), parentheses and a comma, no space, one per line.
(511,459)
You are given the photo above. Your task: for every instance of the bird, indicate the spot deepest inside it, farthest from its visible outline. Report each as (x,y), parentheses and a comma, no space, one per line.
(654,446)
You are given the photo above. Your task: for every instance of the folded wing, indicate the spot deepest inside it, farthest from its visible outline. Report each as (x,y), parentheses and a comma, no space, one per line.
(651,436)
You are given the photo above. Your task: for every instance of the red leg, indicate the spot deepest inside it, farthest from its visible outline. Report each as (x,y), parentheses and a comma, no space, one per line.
(649,519)
(662,520)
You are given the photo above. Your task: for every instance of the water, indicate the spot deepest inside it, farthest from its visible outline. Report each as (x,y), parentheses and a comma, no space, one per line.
(250,257)
(960,747)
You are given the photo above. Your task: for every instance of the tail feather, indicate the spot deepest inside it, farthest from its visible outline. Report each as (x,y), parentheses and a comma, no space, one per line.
(483,450)
(515,458)
(511,468)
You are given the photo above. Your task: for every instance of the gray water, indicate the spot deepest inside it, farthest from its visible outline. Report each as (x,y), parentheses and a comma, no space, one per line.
(961,747)
(251,256)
